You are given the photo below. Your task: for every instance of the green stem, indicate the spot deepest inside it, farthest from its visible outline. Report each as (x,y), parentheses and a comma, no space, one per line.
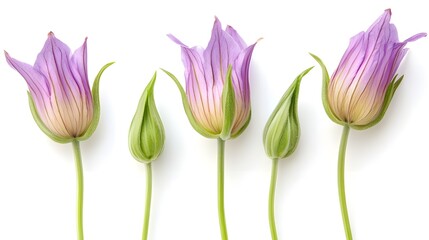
(220,188)
(79,199)
(271,197)
(148,200)
(341,187)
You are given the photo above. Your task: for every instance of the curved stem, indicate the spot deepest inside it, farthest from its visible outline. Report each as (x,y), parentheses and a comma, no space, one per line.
(271,197)
(341,187)
(148,200)
(220,188)
(79,178)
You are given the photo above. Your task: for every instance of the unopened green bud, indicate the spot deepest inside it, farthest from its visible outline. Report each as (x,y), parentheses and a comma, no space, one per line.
(146,135)
(281,133)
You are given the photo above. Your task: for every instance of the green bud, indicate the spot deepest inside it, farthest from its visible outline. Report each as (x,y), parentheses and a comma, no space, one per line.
(146,135)
(281,133)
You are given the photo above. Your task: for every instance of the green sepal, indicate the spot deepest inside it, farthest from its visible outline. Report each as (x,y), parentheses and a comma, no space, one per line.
(282,130)
(391,89)
(325,85)
(96,104)
(187,108)
(228,106)
(146,135)
(42,126)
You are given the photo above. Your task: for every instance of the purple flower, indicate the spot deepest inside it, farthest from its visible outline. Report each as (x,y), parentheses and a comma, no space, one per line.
(361,88)
(206,74)
(60,96)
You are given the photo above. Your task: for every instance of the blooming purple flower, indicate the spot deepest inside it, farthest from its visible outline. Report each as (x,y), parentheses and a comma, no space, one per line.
(361,88)
(59,90)
(206,76)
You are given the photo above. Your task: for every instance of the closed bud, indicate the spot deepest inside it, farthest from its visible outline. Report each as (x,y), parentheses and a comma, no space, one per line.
(281,133)
(146,136)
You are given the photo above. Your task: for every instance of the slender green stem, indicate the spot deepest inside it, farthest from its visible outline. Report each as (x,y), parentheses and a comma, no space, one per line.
(148,200)
(79,199)
(341,187)
(271,197)
(220,188)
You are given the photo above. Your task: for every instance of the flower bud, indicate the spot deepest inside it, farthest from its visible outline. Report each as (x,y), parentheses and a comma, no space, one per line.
(146,135)
(281,133)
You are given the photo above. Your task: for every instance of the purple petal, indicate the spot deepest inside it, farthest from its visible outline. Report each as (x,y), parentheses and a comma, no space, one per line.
(78,63)
(37,83)
(237,38)
(199,91)
(415,37)
(222,50)
(172,37)
(241,68)
(241,84)
(54,63)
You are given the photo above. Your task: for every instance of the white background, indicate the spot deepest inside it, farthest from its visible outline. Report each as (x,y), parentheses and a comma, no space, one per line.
(387,166)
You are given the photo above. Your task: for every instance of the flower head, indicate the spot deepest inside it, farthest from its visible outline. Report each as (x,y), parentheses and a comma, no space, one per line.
(218,100)
(146,135)
(61,101)
(360,90)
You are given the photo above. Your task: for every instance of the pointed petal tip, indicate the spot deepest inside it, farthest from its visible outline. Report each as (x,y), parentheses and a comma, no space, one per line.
(388,11)
(420,35)
(177,41)
(171,36)
(51,34)
(85,42)
(217,23)
(8,57)
(415,37)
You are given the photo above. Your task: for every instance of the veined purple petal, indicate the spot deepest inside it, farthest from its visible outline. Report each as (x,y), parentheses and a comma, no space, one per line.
(78,63)
(54,63)
(37,83)
(415,37)
(242,87)
(237,38)
(221,51)
(200,92)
